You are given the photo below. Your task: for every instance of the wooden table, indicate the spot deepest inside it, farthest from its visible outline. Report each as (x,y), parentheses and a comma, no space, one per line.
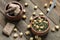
(22,25)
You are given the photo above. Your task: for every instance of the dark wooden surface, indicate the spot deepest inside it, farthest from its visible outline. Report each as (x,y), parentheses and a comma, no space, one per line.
(22,25)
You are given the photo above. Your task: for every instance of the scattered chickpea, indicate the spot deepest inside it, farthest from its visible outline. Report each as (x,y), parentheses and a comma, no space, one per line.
(29,26)
(34,13)
(15,29)
(15,35)
(51,3)
(48,10)
(41,14)
(36,37)
(31,18)
(53,29)
(24,11)
(21,34)
(26,4)
(35,7)
(45,5)
(24,16)
(57,27)
(55,6)
(31,38)
(39,38)
(27,32)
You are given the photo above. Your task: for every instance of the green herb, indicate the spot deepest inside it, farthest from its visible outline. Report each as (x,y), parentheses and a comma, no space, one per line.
(40,24)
